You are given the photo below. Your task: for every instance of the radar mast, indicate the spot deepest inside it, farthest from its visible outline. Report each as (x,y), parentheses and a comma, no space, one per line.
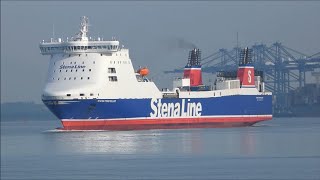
(82,35)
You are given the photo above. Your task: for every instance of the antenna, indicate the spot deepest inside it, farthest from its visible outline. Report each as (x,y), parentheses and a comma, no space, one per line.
(237,50)
(82,35)
(237,40)
(53,30)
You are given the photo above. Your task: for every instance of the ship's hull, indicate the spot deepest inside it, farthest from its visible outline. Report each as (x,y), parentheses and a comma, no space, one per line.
(168,123)
(169,113)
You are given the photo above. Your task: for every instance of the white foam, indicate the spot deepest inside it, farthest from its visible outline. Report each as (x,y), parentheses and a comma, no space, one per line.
(65,131)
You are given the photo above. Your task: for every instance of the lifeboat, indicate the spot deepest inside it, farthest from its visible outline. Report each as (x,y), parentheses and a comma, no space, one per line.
(143,71)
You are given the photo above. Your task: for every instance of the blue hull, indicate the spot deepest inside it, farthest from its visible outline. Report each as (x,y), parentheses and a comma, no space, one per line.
(236,105)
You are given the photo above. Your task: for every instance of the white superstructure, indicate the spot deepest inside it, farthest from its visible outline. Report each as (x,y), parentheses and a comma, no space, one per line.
(84,68)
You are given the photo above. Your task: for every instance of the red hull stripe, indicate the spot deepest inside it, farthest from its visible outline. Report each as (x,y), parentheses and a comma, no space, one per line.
(98,124)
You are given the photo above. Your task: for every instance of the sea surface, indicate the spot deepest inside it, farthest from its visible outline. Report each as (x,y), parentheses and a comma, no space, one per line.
(283,148)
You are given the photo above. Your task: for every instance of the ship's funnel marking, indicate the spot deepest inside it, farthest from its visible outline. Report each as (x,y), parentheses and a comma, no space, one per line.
(246,70)
(193,68)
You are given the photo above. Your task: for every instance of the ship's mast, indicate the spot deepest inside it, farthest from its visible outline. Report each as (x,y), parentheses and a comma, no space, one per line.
(82,35)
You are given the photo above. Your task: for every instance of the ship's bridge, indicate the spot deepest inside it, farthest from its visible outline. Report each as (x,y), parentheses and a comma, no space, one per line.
(76,47)
(79,44)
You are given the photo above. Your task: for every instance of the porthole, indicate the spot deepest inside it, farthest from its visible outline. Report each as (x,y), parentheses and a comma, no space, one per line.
(88,77)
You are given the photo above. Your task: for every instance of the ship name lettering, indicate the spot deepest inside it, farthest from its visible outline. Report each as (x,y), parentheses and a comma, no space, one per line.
(178,109)
(71,66)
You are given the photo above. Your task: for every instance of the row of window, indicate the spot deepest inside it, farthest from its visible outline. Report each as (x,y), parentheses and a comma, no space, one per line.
(120,62)
(111,62)
(111,70)
(71,70)
(70,78)
(113,78)
(78,48)
(94,62)
(81,94)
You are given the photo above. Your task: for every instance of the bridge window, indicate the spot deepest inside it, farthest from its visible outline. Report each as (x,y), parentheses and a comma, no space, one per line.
(81,94)
(68,94)
(88,77)
(90,70)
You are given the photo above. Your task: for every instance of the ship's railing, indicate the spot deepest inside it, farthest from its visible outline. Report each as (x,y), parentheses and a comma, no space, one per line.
(52,97)
(79,47)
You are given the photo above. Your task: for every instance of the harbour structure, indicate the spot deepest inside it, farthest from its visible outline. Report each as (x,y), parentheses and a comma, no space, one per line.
(284,69)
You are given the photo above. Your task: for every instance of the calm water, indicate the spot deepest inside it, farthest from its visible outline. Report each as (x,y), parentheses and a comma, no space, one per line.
(284,148)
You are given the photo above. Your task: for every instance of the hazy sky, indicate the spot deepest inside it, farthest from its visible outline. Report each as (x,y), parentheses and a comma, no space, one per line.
(150,30)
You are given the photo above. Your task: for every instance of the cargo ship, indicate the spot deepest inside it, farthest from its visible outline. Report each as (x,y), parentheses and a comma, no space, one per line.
(92,85)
